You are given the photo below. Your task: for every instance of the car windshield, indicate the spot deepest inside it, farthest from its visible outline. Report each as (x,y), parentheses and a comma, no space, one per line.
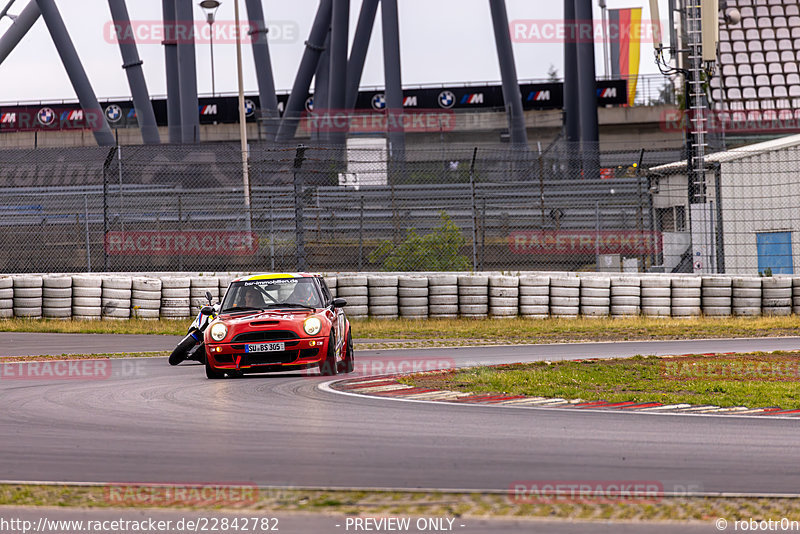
(273,293)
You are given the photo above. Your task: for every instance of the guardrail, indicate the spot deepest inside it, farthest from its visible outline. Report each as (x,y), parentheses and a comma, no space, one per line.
(418,295)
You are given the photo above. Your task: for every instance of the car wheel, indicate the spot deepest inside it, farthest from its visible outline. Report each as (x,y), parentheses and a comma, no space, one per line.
(328,367)
(213,374)
(349,363)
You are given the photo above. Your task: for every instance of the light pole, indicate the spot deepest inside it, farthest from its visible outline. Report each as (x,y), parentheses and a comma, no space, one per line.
(243,123)
(211,7)
(606,59)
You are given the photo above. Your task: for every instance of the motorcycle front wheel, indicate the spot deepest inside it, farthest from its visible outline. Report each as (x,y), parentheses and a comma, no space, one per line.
(181,352)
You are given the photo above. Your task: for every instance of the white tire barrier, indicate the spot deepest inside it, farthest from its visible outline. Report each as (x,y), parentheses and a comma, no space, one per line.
(443,296)
(413,297)
(353,288)
(175,294)
(656,296)
(87,301)
(331,282)
(776,296)
(795,296)
(116,298)
(686,296)
(27,301)
(56,297)
(473,296)
(626,298)
(746,296)
(565,296)
(145,298)
(198,287)
(534,297)
(504,296)
(595,298)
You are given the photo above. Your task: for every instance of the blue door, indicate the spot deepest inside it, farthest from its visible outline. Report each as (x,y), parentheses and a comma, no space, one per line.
(775,252)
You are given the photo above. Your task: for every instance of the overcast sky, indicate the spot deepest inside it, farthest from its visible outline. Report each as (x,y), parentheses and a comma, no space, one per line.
(442,41)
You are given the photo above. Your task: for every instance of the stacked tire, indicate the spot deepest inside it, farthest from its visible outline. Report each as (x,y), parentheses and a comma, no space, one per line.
(656,296)
(595,297)
(57,297)
(503,297)
(145,298)
(332,282)
(116,300)
(796,296)
(443,296)
(534,297)
(473,296)
(746,296)
(87,298)
(776,296)
(28,296)
(198,287)
(565,296)
(686,296)
(382,297)
(6,297)
(175,295)
(626,296)
(224,282)
(412,297)
(717,296)
(354,289)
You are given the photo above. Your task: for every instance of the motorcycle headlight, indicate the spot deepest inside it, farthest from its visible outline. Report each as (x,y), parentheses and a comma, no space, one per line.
(312,326)
(219,331)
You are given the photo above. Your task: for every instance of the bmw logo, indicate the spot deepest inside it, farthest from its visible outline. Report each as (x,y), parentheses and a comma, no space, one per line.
(46,116)
(249,107)
(379,102)
(310,104)
(114,113)
(447,99)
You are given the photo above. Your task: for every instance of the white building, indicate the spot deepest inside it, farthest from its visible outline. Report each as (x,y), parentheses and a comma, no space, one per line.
(749,224)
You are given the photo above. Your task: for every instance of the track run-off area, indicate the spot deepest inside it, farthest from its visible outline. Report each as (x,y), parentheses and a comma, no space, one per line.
(144,422)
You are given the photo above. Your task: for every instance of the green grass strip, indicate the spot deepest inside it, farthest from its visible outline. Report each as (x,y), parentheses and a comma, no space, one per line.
(755,380)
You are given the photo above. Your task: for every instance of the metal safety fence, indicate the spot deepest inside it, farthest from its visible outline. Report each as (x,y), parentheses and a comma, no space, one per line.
(366,207)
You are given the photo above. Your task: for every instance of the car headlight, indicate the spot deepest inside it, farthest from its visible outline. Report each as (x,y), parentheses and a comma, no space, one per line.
(219,331)
(312,326)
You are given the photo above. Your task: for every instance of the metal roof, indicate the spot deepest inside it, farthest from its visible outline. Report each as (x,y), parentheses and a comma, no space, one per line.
(736,153)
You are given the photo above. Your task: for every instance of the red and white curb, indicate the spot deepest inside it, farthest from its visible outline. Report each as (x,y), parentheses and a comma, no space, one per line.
(387,386)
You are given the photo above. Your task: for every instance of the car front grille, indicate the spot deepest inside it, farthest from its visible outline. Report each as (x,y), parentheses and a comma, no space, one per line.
(264,335)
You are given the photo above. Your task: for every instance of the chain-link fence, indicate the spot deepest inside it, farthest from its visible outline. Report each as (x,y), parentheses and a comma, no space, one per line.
(368,207)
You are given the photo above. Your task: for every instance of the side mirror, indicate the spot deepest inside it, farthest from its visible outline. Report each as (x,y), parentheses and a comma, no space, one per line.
(208,310)
(209,297)
(339,303)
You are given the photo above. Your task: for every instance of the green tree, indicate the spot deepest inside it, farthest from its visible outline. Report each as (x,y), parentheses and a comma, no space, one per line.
(438,251)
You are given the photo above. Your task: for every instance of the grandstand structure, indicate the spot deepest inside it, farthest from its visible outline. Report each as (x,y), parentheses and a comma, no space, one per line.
(757,84)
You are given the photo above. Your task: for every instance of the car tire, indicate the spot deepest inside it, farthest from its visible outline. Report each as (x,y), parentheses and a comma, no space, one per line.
(328,366)
(213,374)
(349,363)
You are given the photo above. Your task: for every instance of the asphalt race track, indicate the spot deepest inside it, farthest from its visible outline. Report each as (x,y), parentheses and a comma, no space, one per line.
(145,421)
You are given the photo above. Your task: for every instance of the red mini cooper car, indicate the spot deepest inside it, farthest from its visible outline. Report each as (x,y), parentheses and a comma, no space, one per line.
(279,322)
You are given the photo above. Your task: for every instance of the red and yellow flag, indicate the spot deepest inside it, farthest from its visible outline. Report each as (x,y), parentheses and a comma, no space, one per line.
(625,35)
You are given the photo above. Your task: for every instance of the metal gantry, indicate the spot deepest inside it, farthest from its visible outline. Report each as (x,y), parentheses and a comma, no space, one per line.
(338,74)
